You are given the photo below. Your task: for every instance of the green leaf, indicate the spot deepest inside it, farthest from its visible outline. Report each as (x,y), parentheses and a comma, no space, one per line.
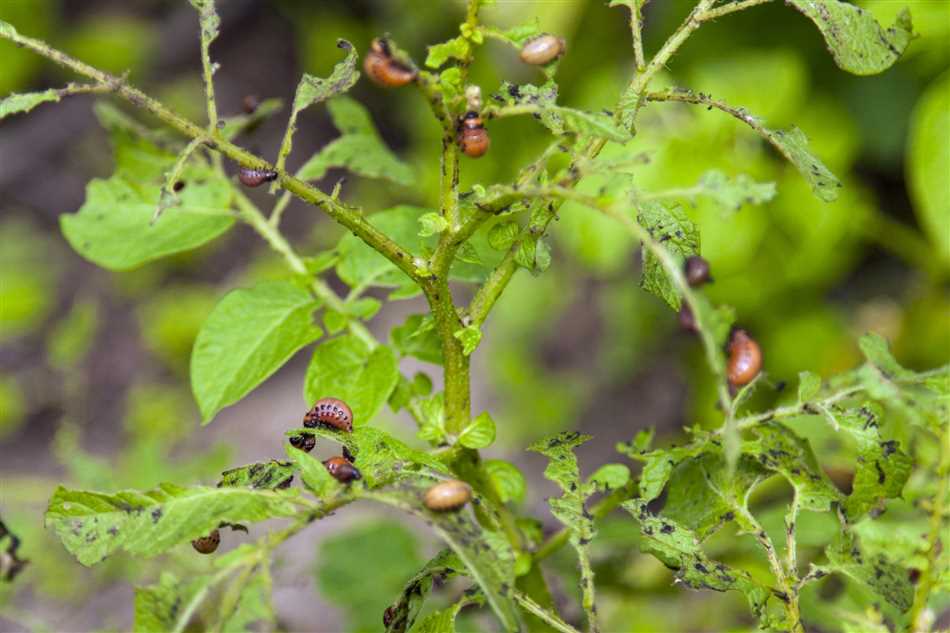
(928,164)
(158,607)
(363,154)
(678,235)
(470,336)
(405,610)
(882,468)
(346,368)
(856,41)
(659,465)
(7,29)
(314,474)
(210,22)
(17,103)
(777,448)
(364,308)
(878,353)
(809,385)
(455,48)
(793,145)
(443,621)
(609,477)
(251,609)
(394,554)
(94,525)
(507,480)
(503,235)
(418,337)
(679,549)
(114,228)
(313,90)
(559,119)
(260,475)
(702,497)
(534,254)
(432,424)
(248,336)
(432,223)
(732,194)
(480,433)
(885,578)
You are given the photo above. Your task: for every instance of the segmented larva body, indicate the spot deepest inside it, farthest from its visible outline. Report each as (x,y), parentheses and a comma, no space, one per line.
(696,270)
(745,358)
(304,442)
(448,495)
(342,470)
(207,544)
(472,136)
(255,177)
(542,49)
(382,68)
(330,412)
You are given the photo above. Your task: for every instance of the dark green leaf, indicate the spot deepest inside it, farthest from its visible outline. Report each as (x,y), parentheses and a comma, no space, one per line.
(248,336)
(346,368)
(678,235)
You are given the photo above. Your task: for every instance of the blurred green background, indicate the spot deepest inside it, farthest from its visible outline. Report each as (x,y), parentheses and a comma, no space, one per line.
(93,365)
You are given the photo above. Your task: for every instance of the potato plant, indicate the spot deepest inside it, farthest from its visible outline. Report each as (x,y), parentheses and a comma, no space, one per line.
(174,192)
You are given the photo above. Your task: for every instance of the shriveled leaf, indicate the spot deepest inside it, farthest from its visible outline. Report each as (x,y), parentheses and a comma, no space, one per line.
(884,577)
(405,610)
(793,144)
(507,480)
(312,90)
(480,433)
(248,336)
(158,607)
(260,475)
(678,235)
(17,103)
(856,41)
(93,525)
(346,368)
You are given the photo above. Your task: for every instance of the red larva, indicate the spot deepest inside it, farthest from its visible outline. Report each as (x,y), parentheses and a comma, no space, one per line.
(304,442)
(342,470)
(745,358)
(382,68)
(330,412)
(448,495)
(255,177)
(207,544)
(696,270)
(542,49)
(472,135)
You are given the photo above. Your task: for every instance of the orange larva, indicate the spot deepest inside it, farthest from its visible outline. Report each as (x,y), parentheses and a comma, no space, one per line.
(207,544)
(255,177)
(342,470)
(448,495)
(745,358)
(472,135)
(696,270)
(382,68)
(304,442)
(330,412)
(542,49)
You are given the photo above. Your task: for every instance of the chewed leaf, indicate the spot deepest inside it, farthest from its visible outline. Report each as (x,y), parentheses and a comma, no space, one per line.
(260,475)
(677,234)
(877,572)
(248,336)
(405,610)
(732,194)
(793,144)
(857,42)
(313,90)
(93,525)
(158,606)
(17,103)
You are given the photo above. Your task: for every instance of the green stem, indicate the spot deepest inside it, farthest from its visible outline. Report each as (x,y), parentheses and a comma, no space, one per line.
(537,610)
(345,215)
(712,14)
(208,70)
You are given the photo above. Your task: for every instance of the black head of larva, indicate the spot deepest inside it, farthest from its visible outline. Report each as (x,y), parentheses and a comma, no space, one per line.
(304,442)
(255,177)
(330,412)
(696,270)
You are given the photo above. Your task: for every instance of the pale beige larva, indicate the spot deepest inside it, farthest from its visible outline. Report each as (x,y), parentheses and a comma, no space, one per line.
(448,495)
(542,49)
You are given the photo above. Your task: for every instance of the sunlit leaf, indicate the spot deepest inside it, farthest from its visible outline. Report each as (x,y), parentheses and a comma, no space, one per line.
(480,432)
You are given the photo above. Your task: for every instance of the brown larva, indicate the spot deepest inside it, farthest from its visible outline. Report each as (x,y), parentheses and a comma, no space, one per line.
(304,442)
(448,495)
(745,358)
(542,49)
(207,544)
(696,270)
(255,177)
(330,412)
(382,68)
(249,104)
(472,136)
(342,470)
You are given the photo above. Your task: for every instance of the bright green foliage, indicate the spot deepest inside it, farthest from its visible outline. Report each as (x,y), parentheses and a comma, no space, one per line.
(508,481)
(503,235)
(855,39)
(658,465)
(250,334)
(672,228)
(406,609)
(15,104)
(261,475)
(809,385)
(480,433)
(929,163)
(314,474)
(360,149)
(158,607)
(455,48)
(93,525)
(679,549)
(346,368)
(609,477)
(470,336)
(417,337)
(432,223)
(444,621)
